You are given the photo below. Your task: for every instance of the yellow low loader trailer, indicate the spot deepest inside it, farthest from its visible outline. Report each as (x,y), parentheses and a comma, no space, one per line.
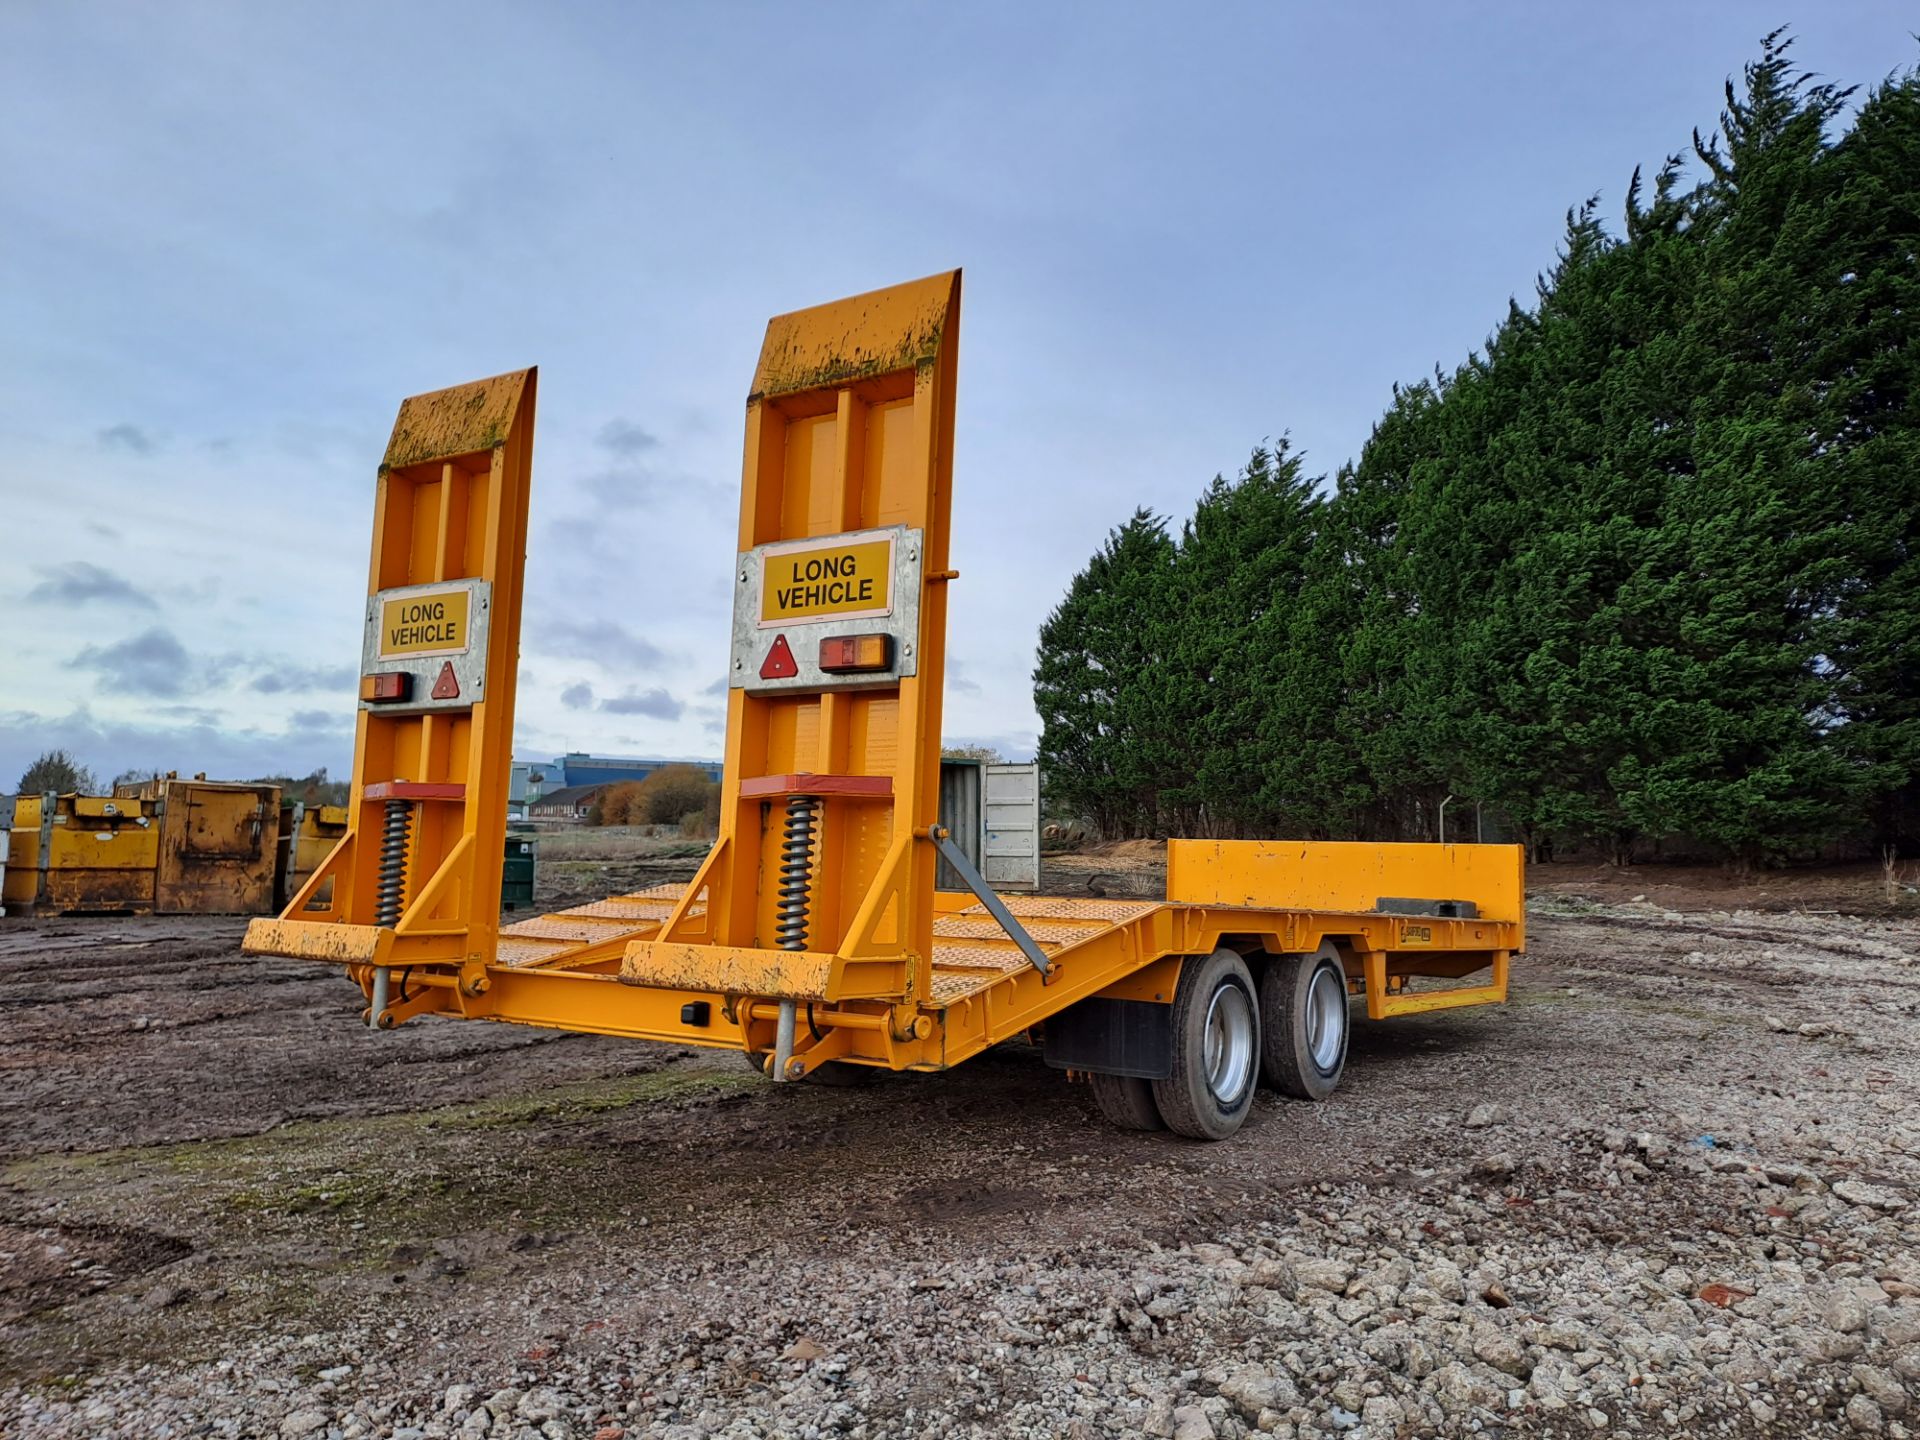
(812,938)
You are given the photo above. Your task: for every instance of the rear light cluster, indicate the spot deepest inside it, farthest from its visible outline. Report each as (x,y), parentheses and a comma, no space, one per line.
(386,687)
(844,654)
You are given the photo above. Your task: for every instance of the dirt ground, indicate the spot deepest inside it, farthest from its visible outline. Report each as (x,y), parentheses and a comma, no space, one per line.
(1666,1189)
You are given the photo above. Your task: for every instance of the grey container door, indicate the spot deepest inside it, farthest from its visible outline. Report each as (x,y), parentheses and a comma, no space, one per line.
(1012,845)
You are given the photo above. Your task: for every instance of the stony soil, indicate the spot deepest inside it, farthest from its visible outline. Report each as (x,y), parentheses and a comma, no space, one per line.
(1667,1191)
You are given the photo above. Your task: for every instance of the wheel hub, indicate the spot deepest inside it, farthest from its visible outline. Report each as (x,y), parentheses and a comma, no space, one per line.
(1326,1018)
(1232,1042)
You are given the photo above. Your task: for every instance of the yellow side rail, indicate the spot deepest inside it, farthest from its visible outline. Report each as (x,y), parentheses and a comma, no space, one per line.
(1348,876)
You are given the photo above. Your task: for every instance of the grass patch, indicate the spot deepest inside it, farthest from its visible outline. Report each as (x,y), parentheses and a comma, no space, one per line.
(1563,906)
(345,1193)
(579,1101)
(368,1165)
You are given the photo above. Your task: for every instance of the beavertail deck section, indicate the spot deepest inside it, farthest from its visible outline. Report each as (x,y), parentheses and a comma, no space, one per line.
(812,932)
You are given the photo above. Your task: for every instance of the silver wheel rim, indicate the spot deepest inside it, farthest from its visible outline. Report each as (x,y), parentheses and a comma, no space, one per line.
(1326,1018)
(1231,1040)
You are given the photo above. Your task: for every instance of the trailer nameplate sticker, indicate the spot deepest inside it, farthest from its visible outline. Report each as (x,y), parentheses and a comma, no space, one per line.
(843,578)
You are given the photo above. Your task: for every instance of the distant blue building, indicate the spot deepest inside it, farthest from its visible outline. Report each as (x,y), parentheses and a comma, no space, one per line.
(531,779)
(579,769)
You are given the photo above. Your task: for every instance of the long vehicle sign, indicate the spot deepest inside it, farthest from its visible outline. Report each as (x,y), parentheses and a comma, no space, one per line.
(843,578)
(425,623)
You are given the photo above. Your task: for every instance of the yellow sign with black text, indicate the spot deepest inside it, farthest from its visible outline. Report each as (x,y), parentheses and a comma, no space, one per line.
(826,581)
(433,623)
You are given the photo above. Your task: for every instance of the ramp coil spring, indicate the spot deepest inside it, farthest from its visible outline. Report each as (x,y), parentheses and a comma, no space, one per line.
(796,872)
(391,893)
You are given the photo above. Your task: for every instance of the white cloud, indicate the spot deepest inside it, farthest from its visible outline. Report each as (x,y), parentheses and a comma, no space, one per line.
(625,438)
(128,437)
(656,703)
(187,739)
(154,662)
(80,581)
(605,641)
(277,678)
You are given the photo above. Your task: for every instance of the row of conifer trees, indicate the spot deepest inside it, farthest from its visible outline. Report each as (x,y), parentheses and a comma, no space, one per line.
(1642,574)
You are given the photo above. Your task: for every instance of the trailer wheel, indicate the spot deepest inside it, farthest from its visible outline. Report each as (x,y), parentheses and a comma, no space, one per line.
(1303,1047)
(1216,1048)
(1127,1102)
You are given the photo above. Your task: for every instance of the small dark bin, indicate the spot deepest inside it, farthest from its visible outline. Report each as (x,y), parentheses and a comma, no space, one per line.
(516,877)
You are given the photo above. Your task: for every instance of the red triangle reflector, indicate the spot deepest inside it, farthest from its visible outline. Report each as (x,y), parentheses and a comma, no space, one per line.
(447,687)
(779,664)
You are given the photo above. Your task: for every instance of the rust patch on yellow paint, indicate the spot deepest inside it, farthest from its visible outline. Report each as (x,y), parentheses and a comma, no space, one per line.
(457,421)
(724,970)
(317,940)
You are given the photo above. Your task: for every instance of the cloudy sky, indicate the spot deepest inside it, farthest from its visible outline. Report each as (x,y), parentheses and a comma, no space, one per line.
(233,236)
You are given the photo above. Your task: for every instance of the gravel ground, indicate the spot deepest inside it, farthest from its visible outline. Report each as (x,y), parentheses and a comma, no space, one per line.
(1667,1190)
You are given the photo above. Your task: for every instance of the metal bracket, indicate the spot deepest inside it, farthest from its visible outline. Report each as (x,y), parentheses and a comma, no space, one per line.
(49,802)
(996,907)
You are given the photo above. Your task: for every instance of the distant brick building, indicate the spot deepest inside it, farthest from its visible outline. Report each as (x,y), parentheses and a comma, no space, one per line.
(569,802)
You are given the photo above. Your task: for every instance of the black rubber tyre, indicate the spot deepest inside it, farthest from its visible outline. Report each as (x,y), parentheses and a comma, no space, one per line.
(1127,1101)
(1303,1044)
(1216,1049)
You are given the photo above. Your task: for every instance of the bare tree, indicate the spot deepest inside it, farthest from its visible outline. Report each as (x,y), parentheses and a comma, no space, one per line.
(59,772)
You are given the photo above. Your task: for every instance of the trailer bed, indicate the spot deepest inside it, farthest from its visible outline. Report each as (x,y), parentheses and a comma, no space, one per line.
(983,988)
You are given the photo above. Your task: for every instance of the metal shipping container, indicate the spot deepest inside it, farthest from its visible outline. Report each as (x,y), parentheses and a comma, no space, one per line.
(992,811)
(1010,841)
(20,880)
(962,795)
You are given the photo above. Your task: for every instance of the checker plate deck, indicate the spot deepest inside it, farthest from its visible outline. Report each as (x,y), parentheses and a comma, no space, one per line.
(971,953)
(586,934)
